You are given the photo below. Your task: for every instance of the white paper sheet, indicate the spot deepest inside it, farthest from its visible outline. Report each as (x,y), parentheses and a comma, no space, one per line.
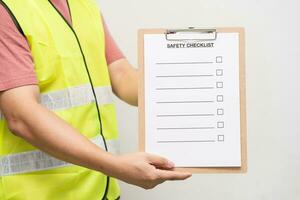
(192,103)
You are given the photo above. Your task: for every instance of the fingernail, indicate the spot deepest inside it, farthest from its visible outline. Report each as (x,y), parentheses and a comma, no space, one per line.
(171,164)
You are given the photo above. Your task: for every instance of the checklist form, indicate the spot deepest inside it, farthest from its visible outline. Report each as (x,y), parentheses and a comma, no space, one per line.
(192,100)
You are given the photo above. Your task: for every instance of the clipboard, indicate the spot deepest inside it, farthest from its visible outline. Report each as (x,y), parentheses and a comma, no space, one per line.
(201,35)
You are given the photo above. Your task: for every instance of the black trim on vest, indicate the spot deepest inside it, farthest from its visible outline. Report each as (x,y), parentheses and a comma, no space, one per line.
(13,17)
(92,85)
(70,11)
(115,199)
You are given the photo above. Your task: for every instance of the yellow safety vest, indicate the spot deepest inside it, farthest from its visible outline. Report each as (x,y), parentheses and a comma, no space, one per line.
(74,83)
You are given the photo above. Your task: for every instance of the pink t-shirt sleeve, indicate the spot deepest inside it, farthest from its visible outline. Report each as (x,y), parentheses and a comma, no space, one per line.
(113,53)
(16,64)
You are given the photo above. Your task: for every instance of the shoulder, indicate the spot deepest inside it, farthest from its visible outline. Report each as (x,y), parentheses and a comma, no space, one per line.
(15,56)
(7,25)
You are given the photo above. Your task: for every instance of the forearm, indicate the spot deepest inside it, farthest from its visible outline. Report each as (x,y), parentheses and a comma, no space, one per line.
(129,87)
(51,134)
(124,81)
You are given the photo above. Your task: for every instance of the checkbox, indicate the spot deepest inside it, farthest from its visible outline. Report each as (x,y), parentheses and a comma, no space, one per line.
(219,84)
(219,72)
(221,138)
(220,124)
(219,59)
(220,111)
(220,98)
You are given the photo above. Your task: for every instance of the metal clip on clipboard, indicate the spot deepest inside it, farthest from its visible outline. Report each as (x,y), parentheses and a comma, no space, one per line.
(191,33)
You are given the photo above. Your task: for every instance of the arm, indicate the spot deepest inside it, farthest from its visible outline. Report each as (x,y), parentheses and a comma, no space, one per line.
(123,76)
(124,80)
(51,134)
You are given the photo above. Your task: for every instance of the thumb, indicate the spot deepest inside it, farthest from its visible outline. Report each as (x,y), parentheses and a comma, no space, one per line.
(160,162)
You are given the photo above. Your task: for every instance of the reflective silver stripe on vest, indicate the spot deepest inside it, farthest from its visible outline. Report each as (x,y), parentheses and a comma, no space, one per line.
(33,161)
(75,96)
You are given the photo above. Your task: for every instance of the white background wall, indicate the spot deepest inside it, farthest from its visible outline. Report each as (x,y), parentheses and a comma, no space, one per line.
(273,92)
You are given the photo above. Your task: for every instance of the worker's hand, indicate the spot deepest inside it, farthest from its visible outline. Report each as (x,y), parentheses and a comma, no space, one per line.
(146,170)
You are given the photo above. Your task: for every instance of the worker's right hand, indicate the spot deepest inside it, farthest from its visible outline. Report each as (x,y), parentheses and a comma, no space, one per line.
(146,170)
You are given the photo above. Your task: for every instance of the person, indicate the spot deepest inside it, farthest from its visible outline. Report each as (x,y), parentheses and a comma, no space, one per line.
(58,68)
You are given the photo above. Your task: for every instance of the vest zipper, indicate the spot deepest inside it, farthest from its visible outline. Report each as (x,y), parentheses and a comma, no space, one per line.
(92,85)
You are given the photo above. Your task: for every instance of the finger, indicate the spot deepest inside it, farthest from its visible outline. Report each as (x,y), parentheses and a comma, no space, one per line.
(160,162)
(173,175)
